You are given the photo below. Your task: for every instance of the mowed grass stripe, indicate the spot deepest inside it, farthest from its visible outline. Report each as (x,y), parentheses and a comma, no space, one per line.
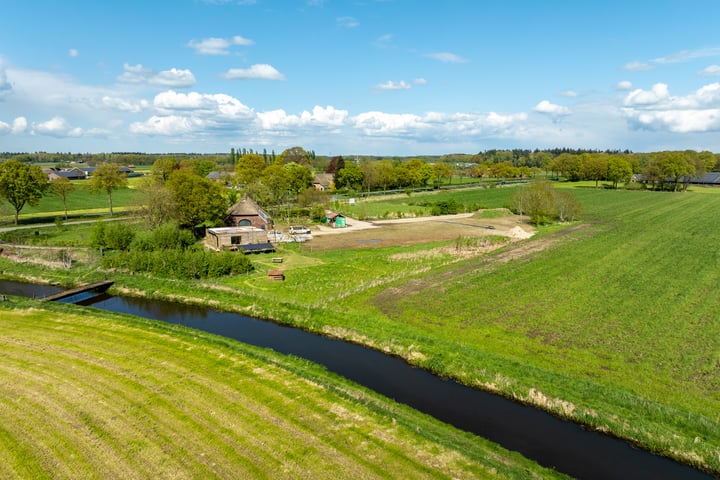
(99,396)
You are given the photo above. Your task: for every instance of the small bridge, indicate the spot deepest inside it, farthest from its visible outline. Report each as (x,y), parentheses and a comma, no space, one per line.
(99,287)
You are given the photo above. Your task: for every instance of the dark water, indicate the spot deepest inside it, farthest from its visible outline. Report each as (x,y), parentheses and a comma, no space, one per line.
(8,287)
(551,442)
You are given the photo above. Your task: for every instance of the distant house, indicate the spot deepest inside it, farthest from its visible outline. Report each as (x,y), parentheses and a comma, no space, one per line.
(335,219)
(245,213)
(322,181)
(243,239)
(218,176)
(69,173)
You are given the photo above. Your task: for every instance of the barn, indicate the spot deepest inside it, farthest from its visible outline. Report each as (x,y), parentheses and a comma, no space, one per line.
(246,239)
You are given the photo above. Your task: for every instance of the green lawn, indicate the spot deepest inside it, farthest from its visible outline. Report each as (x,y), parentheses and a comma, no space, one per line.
(87,394)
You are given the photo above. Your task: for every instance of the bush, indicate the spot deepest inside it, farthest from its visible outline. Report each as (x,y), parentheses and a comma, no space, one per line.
(119,236)
(191,263)
(97,236)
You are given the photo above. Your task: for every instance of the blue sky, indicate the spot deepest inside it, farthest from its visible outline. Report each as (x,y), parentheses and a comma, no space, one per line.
(379,77)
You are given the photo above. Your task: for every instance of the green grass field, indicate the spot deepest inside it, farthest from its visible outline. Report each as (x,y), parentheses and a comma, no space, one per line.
(613,321)
(96,395)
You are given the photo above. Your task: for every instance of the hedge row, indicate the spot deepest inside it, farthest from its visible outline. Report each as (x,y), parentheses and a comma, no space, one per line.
(190,263)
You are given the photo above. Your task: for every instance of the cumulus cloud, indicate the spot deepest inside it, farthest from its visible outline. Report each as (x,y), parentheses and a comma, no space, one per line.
(623,85)
(446,57)
(56,127)
(218,46)
(170,125)
(261,71)
(551,108)
(124,105)
(320,116)
(569,93)
(436,124)
(710,71)
(193,113)
(60,128)
(420,81)
(658,93)
(390,85)
(220,104)
(19,125)
(174,77)
(656,109)
(347,22)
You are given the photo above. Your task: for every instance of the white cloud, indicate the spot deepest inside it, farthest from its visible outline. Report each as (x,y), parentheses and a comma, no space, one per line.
(261,71)
(420,81)
(56,127)
(623,85)
(657,110)
(319,117)
(710,71)
(390,85)
(569,93)
(19,125)
(123,105)
(218,46)
(437,125)
(347,22)
(73,52)
(551,108)
(446,57)
(221,105)
(637,67)
(659,93)
(174,77)
(171,125)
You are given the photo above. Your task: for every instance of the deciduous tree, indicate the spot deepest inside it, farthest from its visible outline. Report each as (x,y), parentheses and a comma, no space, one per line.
(107,178)
(62,187)
(249,168)
(619,169)
(199,200)
(351,177)
(21,184)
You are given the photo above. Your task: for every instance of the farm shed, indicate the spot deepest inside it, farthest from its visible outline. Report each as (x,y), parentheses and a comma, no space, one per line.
(335,219)
(245,239)
(245,213)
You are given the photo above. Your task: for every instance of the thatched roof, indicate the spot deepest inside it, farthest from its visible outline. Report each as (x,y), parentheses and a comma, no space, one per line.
(245,206)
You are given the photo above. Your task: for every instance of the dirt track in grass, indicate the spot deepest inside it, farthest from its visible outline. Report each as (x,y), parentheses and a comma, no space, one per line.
(411,231)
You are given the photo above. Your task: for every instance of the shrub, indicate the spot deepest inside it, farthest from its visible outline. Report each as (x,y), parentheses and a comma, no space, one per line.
(119,236)
(191,263)
(97,236)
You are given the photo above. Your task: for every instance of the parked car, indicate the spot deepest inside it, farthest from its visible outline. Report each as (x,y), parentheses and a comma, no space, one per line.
(295,230)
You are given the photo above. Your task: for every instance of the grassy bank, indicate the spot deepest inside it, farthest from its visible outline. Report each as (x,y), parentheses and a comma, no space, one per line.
(96,395)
